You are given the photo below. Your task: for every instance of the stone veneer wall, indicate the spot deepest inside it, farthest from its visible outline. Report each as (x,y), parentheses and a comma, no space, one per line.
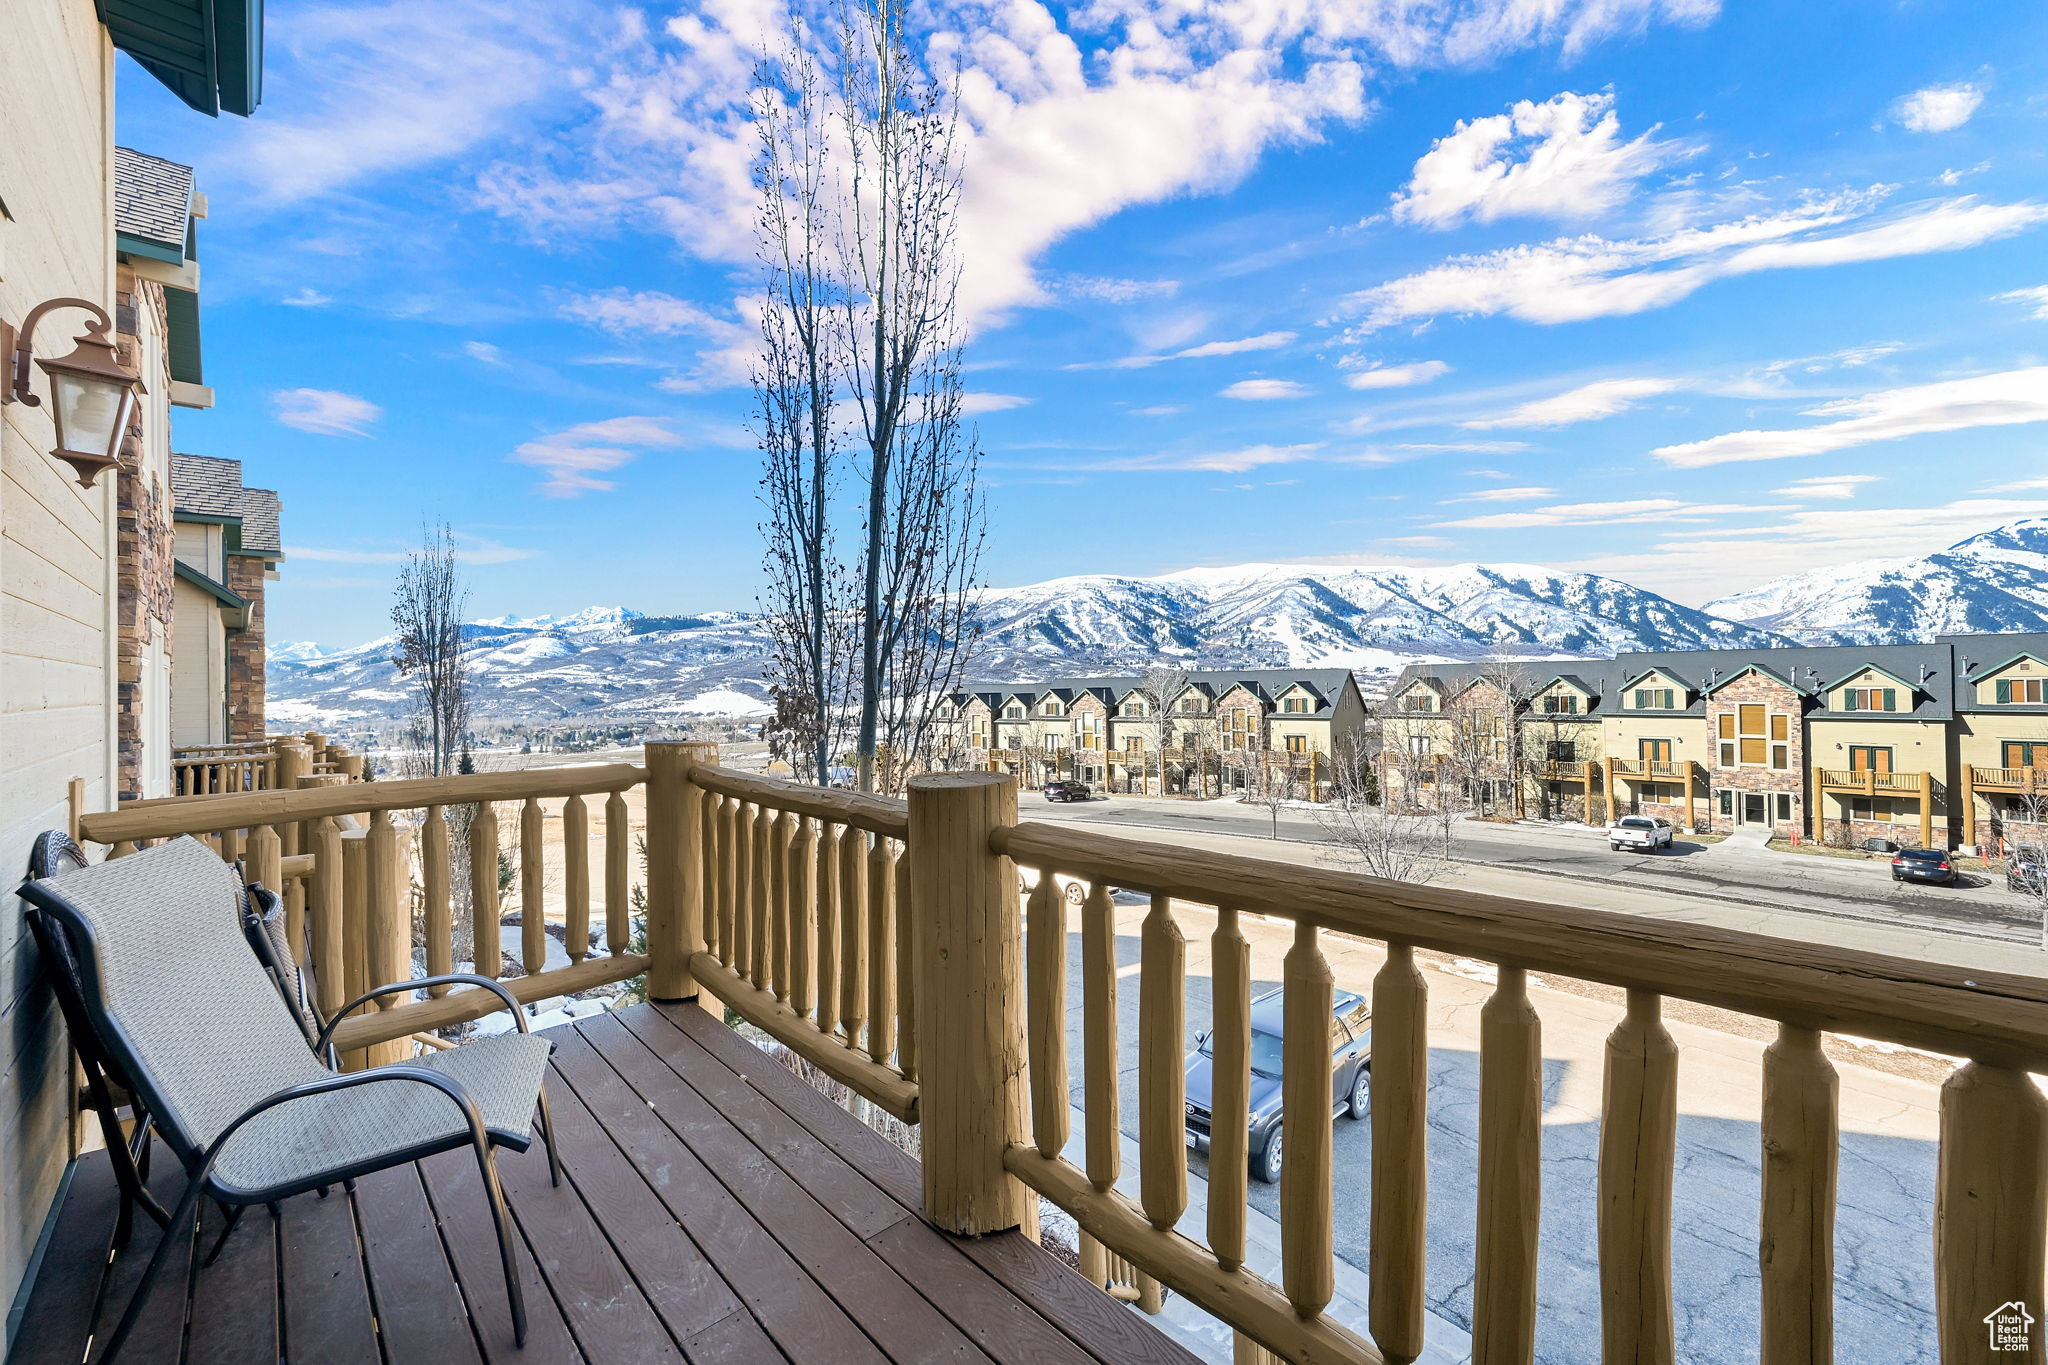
(1756,689)
(245,652)
(145,551)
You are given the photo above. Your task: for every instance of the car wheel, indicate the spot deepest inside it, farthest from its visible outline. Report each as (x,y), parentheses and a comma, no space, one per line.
(1266,1165)
(1361,1094)
(1076,893)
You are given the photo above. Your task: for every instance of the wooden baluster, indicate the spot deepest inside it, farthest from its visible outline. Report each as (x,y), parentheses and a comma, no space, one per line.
(1990,1207)
(121,849)
(1638,1144)
(486,940)
(576,876)
(435,888)
(1510,1174)
(781,907)
(853,932)
(881,950)
(825,885)
(706,870)
(230,845)
(355,927)
(763,887)
(324,900)
(1162,1067)
(731,881)
(1045,986)
(1797,1246)
(906,967)
(800,883)
(533,923)
(1230,1073)
(387,925)
(1400,1191)
(618,874)
(1308,1270)
(1098,1037)
(267,866)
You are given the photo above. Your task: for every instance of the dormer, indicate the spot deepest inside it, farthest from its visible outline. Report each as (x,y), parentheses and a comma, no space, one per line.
(1872,690)
(1194,700)
(1298,700)
(1014,709)
(1052,707)
(2019,681)
(1421,695)
(1561,697)
(1655,690)
(1133,708)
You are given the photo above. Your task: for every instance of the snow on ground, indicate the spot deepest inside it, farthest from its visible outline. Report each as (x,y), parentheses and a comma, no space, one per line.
(725,701)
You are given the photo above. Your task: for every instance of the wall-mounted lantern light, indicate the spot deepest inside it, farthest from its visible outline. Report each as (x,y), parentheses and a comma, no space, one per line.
(92,393)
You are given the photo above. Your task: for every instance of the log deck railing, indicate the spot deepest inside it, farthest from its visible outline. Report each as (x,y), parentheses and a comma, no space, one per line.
(258,765)
(882,939)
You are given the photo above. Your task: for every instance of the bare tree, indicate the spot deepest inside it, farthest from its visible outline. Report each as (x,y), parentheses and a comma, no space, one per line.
(1513,684)
(1272,785)
(870,328)
(1160,688)
(1375,839)
(426,616)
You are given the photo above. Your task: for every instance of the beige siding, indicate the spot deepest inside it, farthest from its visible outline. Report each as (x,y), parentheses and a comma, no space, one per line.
(1620,736)
(1916,746)
(55,555)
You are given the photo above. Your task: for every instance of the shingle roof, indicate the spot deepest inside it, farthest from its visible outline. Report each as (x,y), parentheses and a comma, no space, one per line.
(208,486)
(152,198)
(1327,683)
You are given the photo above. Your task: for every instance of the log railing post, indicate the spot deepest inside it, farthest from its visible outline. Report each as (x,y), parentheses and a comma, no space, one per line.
(675,887)
(970,993)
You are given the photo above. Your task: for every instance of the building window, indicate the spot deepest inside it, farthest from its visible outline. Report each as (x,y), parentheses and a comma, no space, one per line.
(1882,808)
(1727,802)
(1418,746)
(1133,708)
(1014,711)
(2022,753)
(1561,704)
(1420,701)
(1049,708)
(1653,750)
(1752,737)
(1870,699)
(1294,706)
(1191,706)
(1561,751)
(1297,744)
(2019,691)
(1870,758)
(1656,698)
(1784,805)
(1054,743)
(1133,744)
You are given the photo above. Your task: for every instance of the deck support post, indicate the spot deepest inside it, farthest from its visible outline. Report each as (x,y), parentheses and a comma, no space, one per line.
(675,867)
(968,961)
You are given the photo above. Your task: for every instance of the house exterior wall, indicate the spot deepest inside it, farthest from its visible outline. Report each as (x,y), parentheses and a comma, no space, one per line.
(145,545)
(1743,779)
(1987,688)
(244,683)
(199,664)
(57,589)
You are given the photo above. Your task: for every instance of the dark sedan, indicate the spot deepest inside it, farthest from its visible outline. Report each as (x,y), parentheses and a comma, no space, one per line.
(1350,1068)
(1924,865)
(1068,791)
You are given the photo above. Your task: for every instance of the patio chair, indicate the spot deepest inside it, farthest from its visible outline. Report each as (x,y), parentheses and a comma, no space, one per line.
(168,987)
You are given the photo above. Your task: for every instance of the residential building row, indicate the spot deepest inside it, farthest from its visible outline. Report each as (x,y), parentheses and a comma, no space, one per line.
(1938,744)
(99,313)
(1183,733)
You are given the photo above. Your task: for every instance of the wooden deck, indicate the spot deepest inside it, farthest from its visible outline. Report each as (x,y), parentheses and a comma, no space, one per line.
(716,1209)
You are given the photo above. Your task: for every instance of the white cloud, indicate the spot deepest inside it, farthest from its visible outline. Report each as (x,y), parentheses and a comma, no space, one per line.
(483,351)
(1623,513)
(2018,486)
(1238,461)
(1264,341)
(1562,159)
(1834,487)
(1693,566)
(1099,289)
(1472,448)
(1158,410)
(307,298)
(647,314)
(1397,376)
(1265,390)
(572,459)
(472,550)
(2034,299)
(974,404)
(1504,495)
(325,412)
(2007,398)
(1571,279)
(1938,108)
(1587,403)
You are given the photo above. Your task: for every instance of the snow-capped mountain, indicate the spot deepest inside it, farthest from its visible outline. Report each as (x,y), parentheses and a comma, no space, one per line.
(1996,581)
(613,664)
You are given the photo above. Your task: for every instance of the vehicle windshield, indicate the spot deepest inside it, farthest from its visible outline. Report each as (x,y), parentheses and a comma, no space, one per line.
(1637,822)
(1931,855)
(1266,1051)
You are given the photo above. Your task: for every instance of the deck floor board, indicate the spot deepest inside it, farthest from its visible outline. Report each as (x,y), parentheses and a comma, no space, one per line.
(715,1209)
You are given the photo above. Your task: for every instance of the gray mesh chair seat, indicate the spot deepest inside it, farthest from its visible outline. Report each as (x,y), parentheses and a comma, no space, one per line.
(190,1015)
(306,1142)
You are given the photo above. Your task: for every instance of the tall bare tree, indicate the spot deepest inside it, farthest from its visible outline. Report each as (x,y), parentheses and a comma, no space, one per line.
(870,328)
(426,617)
(1514,683)
(1376,839)
(1160,688)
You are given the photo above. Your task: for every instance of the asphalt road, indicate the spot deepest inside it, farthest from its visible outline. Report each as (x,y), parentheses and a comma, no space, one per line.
(1884,1237)
(1808,882)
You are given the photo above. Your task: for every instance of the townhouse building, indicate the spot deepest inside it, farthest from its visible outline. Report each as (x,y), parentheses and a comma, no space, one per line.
(1944,742)
(1189,733)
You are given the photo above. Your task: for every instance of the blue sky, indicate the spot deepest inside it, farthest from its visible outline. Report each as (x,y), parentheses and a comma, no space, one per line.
(1690,295)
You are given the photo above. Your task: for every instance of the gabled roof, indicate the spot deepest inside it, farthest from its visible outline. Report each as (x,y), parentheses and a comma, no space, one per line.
(204,487)
(1751,666)
(1871,668)
(1570,680)
(1630,680)
(1979,675)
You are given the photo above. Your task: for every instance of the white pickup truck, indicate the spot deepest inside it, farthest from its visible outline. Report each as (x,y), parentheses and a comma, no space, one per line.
(1646,833)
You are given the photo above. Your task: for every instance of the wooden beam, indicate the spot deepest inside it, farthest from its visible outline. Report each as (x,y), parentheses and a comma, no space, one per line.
(877,815)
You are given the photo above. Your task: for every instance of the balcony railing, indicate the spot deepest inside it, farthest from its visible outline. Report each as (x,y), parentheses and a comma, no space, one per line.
(1673,770)
(2029,780)
(1560,770)
(1870,782)
(882,940)
(259,765)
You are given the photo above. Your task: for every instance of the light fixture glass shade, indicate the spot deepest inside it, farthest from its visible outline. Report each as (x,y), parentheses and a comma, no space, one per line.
(88,410)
